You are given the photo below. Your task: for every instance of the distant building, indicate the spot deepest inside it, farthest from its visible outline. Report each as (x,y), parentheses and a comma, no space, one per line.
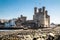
(7,24)
(53,25)
(10,23)
(3,20)
(20,20)
(1,24)
(29,24)
(58,25)
(23,18)
(41,17)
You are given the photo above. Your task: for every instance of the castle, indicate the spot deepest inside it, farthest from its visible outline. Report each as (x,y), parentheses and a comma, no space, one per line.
(41,17)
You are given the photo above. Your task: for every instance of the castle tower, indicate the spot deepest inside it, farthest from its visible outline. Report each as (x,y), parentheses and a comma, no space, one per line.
(39,10)
(35,10)
(46,12)
(41,17)
(43,9)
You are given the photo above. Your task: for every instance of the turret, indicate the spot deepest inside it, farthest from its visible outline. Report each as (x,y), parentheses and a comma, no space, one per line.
(39,10)
(46,13)
(21,16)
(43,9)
(35,10)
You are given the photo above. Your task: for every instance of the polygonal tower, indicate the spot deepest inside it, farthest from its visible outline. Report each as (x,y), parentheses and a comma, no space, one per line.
(41,18)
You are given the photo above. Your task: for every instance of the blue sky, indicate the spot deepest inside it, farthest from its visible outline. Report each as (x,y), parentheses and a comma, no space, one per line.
(14,8)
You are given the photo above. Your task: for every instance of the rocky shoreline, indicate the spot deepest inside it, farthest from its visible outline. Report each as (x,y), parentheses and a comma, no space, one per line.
(30,34)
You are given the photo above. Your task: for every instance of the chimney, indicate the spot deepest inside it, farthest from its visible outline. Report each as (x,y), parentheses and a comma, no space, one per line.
(35,10)
(40,10)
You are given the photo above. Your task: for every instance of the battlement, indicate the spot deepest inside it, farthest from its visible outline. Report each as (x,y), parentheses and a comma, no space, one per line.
(40,10)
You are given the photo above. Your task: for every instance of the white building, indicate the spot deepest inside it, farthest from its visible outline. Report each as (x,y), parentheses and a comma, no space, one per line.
(10,23)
